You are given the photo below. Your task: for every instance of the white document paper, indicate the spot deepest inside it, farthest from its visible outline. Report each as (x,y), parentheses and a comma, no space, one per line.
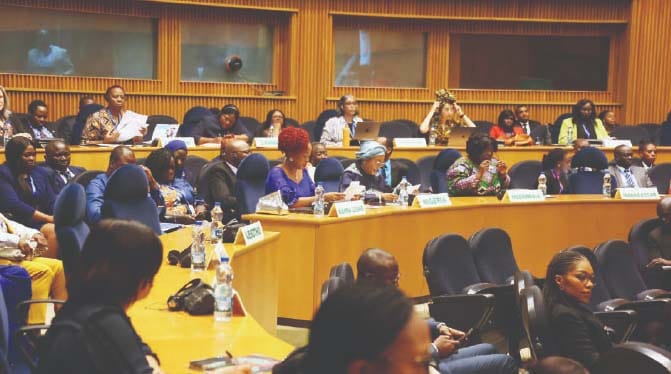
(130,126)
(354,188)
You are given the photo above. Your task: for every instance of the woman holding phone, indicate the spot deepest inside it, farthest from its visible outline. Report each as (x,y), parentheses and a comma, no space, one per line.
(479,173)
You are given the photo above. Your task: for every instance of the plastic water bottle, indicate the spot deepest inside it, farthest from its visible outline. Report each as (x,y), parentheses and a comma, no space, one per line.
(223,291)
(7,133)
(606,185)
(217,227)
(569,135)
(542,183)
(198,247)
(432,135)
(403,192)
(319,201)
(272,130)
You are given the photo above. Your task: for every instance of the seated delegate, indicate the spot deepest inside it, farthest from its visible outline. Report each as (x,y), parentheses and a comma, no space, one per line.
(180,152)
(318,153)
(583,123)
(118,264)
(509,132)
(647,151)
(228,126)
(556,166)
(95,191)
(625,173)
(348,117)
(57,165)
(36,123)
(291,177)
(444,115)
(101,126)
(274,123)
(659,239)
(568,288)
(478,174)
(366,170)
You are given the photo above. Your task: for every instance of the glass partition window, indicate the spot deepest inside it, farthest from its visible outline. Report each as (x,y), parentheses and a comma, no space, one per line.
(42,41)
(227,52)
(523,62)
(379,58)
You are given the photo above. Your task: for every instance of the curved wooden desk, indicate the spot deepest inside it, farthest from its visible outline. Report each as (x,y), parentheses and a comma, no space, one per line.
(310,246)
(96,158)
(178,338)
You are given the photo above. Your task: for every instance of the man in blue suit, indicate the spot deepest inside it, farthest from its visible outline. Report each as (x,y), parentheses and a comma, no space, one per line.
(59,170)
(95,191)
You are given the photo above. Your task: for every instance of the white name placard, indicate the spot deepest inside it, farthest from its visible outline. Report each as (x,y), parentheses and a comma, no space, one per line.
(249,234)
(431,200)
(648,193)
(265,142)
(612,143)
(409,142)
(347,209)
(523,196)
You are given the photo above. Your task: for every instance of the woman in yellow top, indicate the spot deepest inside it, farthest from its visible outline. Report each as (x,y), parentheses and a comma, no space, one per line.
(582,124)
(444,115)
(101,126)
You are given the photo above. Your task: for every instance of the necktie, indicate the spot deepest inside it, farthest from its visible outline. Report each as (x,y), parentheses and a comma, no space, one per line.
(629,177)
(526,128)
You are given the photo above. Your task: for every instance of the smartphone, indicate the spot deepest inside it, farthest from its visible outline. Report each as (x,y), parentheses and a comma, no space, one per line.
(211,363)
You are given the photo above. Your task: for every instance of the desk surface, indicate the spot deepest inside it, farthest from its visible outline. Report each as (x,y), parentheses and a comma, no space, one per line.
(310,245)
(178,338)
(96,158)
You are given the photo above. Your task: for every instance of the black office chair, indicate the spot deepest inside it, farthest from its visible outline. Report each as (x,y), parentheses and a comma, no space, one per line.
(394,129)
(633,133)
(443,161)
(331,285)
(321,121)
(252,124)
(85,178)
(406,168)
(329,173)
(412,125)
(425,165)
(483,126)
(343,271)
(310,128)
(660,175)
(291,122)
(64,127)
(635,357)
(524,174)
(346,162)
(192,166)
(638,239)
(536,325)
(588,179)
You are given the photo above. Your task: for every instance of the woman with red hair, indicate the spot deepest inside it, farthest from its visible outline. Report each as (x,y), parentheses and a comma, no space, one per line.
(291,177)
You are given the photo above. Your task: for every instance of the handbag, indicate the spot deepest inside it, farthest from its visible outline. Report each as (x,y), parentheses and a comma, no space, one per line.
(231,230)
(196,298)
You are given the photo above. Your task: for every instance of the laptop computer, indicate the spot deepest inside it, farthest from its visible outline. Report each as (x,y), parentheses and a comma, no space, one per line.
(367,130)
(459,136)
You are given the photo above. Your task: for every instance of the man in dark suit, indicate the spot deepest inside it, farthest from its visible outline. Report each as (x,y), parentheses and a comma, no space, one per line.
(57,157)
(217,181)
(531,127)
(36,123)
(626,174)
(659,239)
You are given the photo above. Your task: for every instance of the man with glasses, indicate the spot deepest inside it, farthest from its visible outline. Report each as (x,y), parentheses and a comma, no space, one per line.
(377,267)
(60,172)
(217,180)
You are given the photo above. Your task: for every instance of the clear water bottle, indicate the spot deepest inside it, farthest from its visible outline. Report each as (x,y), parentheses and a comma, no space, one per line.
(543,183)
(7,133)
(198,247)
(403,192)
(217,227)
(272,130)
(223,291)
(319,201)
(606,185)
(569,135)
(432,135)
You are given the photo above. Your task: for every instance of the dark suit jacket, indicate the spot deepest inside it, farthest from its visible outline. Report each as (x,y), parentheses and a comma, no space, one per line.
(55,181)
(12,204)
(659,243)
(217,184)
(553,184)
(24,126)
(539,131)
(579,334)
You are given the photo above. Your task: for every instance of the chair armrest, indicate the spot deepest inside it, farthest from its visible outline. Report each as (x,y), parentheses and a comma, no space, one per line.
(653,294)
(622,322)
(478,288)
(474,310)
(22,307)
(611,305)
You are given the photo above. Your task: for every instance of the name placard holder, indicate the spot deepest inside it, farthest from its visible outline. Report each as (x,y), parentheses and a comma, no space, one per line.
(647,193)
(431,200)
(265,142)
(523,196)
(348,209)
(409,142)
(249,234)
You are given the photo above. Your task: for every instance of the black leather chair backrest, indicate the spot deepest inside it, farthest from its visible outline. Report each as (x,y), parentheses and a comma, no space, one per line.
(425,165)
(321,121)
(524,174)
(64,127)
(252,124)
(310,128)
(86,177)
(535,322)
(343,271)
(636,357)
(556,127)
(483,126)
(330,286)
(291,122)
(619,270)
(448,265)
(660,175)
(193,164)
(346,162)
(412,125)
(590,157)
(633,133)
(408,169)
(493,255)
(638,239)
(329,172)
(394,129)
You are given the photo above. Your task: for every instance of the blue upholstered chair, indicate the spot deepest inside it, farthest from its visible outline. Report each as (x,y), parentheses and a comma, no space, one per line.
(443,161)
(660,175)
(590,164)
(425,165)
(71,228)
(192,166)
(329,172)
(250,185)
(524,174)
(126,198)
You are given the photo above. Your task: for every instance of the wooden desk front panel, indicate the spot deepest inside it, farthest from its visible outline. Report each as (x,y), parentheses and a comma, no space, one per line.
(537,231)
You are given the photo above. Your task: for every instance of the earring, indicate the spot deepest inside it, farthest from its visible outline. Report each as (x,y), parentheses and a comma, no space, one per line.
(291,159)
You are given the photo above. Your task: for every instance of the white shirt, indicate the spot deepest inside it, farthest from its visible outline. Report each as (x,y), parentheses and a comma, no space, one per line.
(233,168)
(18,230)
(332,134)
(63,177)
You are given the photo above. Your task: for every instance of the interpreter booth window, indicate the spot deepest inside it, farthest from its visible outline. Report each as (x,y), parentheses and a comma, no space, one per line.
(371,58)
(51,42)
(565,63)
(227,52)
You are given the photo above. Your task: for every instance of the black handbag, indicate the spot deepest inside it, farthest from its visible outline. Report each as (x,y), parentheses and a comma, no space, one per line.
(195,297)
(231,230)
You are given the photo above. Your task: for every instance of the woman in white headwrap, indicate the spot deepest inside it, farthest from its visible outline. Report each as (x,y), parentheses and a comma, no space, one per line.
(365,170)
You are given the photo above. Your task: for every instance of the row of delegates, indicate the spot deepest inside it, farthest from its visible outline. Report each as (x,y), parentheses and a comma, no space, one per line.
(647,153)
(478,173)
(291,177)
(583,123)
(118,264)
(370,159)
(509,131)
(627,174)
(556,167)
(445,115)
(101,126)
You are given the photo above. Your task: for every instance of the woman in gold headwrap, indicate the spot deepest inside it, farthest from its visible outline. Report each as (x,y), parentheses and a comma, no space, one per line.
(444,115)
